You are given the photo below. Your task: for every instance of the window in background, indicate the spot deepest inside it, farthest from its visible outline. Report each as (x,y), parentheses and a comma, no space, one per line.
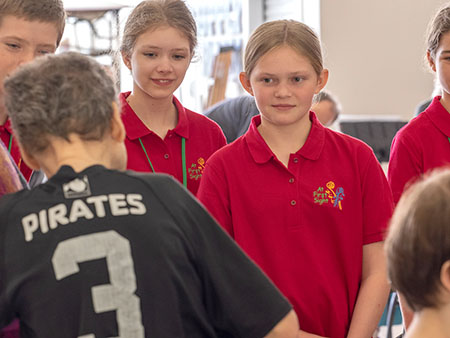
(307,11)
(219,53)
(223,29)
(94,28)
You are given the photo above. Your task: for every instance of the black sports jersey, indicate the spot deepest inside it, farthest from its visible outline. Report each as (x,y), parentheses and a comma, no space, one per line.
(103,253)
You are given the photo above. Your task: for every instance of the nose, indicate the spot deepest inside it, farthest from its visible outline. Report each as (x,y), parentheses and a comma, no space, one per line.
(26,56)
(165,65)
(282,90)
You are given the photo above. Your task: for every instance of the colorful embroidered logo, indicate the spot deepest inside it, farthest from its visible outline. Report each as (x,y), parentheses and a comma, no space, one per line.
(329,195)
(196,169)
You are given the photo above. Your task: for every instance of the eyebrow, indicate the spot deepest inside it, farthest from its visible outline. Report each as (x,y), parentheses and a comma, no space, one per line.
(14,37)
(289,74)
(300,72)
(26,42)
(266,74)
(446,52)
(159,48)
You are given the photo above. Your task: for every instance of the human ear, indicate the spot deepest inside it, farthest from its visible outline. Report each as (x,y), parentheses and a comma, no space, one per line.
(322,80)
(445,276)
(431,61)
(29,159)
(245,82)
(117,127)
(126,60)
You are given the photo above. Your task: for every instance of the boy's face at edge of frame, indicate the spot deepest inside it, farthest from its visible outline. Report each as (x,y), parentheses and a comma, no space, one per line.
(21,41)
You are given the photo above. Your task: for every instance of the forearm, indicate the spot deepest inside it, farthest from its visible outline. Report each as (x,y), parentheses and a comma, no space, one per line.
(285,328)
(372,298)
(373,292)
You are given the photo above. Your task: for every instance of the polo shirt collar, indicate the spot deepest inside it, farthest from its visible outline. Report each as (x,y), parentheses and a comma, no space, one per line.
(259,149)
(7,126)
(439,116)
(135,128)
(261,152)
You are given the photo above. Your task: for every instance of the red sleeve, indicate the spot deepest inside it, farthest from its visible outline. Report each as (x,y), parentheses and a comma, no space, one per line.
(214,193)
(404,165)
(220,139)
(9,179)
(377,202)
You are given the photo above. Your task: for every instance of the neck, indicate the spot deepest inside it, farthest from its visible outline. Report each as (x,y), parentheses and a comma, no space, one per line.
(158,115)
(431,322)
(78,154)
(3,112)
(445,101)
(285,140)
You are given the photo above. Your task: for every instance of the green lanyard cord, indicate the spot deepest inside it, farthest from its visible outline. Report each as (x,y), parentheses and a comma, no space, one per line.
(10,143)
(148,159)
(183,159)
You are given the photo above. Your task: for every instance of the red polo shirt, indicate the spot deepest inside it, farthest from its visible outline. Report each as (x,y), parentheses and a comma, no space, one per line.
(305,225)
(203,137)
(6,134)
(423,144)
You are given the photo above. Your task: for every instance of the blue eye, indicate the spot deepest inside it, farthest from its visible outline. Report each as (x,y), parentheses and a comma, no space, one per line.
(149,54)
(179,57)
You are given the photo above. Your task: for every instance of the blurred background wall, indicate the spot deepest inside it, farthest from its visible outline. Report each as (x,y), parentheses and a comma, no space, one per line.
(375,52)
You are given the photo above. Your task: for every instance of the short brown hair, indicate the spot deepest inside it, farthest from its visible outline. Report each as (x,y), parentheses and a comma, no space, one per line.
(58,95)
(418,243)
(438,26)
(273,34)
(51,11)
(150,14)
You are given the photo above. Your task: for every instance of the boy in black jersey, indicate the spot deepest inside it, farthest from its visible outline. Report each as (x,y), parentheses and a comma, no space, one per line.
(96,252)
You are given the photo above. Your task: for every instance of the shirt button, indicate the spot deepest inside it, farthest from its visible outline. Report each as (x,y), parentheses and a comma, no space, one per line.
(296,160)
(293,202)
(166,156)
(291,180)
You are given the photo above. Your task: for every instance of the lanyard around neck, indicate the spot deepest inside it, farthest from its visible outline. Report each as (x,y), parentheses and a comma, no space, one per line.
(183,159)
(10,143)
(9,150)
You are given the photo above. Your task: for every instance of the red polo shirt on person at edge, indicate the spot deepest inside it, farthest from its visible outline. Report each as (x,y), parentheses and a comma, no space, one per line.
(6,135)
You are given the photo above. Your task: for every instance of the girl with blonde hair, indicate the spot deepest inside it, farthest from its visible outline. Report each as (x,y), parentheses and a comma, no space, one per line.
(308,204)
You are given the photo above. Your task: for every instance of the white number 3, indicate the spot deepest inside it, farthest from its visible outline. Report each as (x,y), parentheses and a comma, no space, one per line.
(119,295)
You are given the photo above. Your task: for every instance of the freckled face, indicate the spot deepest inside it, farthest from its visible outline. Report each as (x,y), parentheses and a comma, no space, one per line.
(283,83)
(159,62)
